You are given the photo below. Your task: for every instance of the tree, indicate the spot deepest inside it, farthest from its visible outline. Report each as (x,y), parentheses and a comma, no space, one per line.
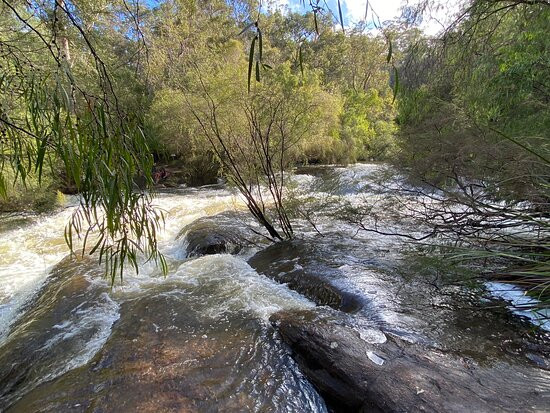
(256,135)
(97,89)
(474,117)
(52,113)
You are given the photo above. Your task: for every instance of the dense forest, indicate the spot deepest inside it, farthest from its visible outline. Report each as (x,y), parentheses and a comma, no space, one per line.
(86,85)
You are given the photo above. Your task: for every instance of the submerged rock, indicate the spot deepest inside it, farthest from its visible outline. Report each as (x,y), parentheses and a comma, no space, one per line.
(188,344)
(357,374)
(217,234)
(68,316)
(300,266)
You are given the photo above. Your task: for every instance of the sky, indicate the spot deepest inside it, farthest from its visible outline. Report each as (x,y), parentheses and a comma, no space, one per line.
(354,11)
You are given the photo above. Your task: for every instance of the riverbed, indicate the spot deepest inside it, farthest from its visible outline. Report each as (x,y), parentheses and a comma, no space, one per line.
(201,339)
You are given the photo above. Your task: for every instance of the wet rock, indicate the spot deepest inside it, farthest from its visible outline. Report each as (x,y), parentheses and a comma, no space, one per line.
(165,355)
(217,234)
(301,267)
(357,374)
(66,316)
(10,222)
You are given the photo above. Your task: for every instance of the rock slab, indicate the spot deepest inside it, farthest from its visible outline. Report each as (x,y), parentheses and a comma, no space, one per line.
(355,375)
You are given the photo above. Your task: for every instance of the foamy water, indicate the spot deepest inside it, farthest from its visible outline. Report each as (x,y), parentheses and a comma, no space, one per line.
(27,255)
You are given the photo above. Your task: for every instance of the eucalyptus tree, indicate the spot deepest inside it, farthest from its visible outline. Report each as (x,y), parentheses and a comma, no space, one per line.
(481,94)
(80,78)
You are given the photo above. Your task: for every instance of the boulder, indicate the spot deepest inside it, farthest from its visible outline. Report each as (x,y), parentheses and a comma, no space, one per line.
(300,266)
(67,303)
(218,234)
(379,372)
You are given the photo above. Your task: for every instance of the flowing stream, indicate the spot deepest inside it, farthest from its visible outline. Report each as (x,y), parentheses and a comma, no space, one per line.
(200,338)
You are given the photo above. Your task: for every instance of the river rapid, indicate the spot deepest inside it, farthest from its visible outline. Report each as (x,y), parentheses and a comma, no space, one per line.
(200,339)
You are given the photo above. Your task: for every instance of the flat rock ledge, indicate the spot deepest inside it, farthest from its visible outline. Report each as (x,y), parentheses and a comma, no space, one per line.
(376,371)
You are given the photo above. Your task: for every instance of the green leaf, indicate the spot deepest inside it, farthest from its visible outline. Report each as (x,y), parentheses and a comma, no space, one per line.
(3,189)
(69,237)
(341,16)
(257,71)
(260,44)
(40,157)
(396,84)
(246,28)
(251,61)
(315,22)
(390,51)
(98,244)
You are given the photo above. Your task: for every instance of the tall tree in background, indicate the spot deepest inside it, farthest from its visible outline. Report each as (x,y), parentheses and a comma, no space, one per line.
(474,115)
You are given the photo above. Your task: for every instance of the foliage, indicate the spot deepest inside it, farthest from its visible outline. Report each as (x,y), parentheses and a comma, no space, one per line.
(474,116)
(175,135)
(52,113)
(256,134)
(93,92)
(368,122)
(361,66)
(491,132)
(29,197)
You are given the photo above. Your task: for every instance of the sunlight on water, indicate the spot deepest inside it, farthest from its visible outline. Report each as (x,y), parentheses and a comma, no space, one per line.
(28,253)
(208,300)
(519,301)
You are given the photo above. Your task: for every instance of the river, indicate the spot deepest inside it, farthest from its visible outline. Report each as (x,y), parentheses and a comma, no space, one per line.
(200,338)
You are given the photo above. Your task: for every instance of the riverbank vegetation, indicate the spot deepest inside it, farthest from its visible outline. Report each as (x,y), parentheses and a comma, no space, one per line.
(108,98)
(474,116)
(100,90)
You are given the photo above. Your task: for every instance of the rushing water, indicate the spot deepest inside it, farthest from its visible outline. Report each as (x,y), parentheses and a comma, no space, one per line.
(199,338)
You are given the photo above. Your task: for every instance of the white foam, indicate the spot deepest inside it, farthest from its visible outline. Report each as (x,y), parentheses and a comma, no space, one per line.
(376,359)
(26,256)
(235,286)
(372,336)
(78,338)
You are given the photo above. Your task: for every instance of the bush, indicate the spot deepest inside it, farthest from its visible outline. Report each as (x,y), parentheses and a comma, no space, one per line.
(173,131)
(368,123)
(32,197)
